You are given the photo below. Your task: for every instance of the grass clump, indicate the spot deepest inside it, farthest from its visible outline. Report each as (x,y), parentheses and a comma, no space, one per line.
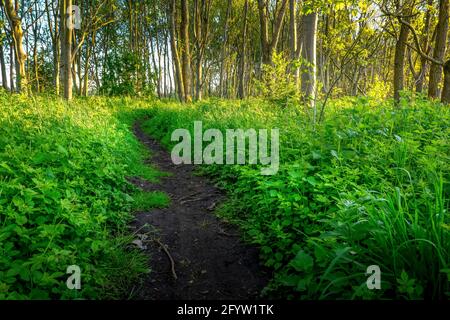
(144,201)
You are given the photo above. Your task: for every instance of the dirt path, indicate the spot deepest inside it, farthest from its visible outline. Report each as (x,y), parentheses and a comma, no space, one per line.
(210,260)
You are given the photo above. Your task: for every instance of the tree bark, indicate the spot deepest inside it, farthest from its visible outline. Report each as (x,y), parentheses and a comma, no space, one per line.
(241,85)
(17,36)
(439,49)
(174,49)
(309,76)
(12,66)
(426,44)
(399,60)
(66,48)
(3,67)
(293,44)
(186,52)
(268,46)
(446,90)
(224,51)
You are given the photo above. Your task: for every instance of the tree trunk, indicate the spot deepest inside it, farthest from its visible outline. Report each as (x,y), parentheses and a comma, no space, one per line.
(264,33)
(66,48)
(439,49)
(174,49)
(224,51)
(90,47)
(425,48)
(11,66)
(446,90)
(309,76)
(3,67)
(36,67)
(241,85)
(186,52)
(268,46)
(293,38)
(399,61)
(17,35)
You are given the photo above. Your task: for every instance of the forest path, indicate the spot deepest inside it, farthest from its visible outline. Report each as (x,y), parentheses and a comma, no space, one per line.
(194,256)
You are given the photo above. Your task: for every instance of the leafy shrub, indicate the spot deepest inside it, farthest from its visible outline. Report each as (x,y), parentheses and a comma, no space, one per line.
(277,84)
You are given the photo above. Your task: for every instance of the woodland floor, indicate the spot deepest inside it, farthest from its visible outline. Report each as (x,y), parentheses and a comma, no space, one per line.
(193,254)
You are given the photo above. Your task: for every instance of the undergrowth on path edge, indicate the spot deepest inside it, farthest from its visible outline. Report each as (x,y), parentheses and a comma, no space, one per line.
(64,197)
(369,186)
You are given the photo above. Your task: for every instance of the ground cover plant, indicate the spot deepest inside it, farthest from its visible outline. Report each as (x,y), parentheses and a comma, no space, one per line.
(64,197)
(368,186)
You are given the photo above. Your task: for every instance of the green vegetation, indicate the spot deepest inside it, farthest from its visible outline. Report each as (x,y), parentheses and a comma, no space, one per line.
(368,186)
(64,198)
(149,200)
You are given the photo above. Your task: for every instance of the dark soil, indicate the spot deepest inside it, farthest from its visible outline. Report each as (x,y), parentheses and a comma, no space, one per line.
(209,258)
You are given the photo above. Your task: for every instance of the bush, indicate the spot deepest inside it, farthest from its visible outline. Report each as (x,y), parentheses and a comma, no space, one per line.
(277,84)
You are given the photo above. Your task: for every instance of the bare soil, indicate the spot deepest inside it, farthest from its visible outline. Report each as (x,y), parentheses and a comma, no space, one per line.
(193,255)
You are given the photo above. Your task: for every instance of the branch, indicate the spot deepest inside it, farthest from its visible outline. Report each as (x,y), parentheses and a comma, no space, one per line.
(417,41)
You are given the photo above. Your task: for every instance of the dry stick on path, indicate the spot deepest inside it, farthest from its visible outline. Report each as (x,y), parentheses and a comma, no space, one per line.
(172,262)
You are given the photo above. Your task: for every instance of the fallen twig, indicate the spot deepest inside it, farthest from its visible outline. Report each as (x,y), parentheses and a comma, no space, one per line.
(172,262)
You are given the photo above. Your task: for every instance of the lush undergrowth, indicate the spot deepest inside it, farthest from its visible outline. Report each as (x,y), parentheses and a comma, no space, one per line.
(368,186)
(64,198)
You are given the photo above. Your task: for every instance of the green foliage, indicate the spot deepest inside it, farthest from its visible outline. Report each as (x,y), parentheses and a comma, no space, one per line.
(379,90)
(369,186)
(64,199)
(277,84)
(148,200)
(121,76)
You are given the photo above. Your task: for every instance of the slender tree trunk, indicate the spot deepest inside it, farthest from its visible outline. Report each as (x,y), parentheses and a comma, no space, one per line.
(66,48)
(12,65)
(264,33)
(90,47)
(56,43)
(174,50)
(309,77)
(156,69)
(159,67)
(425,48)
(439,48)
(167,73)
(241,85)
(3,67)
(36,67)
(224,50)
(293,38)
(399,61)
(17,35)
(186,52)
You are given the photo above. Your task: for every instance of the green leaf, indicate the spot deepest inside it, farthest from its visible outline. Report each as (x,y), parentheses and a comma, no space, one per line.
(302,262)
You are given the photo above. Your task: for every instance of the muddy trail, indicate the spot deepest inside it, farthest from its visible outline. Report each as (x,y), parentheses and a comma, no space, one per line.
(193,254)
